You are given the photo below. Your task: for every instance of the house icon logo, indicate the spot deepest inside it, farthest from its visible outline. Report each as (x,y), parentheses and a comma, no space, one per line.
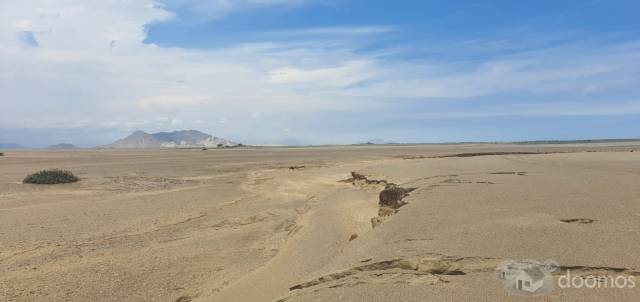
(528,277)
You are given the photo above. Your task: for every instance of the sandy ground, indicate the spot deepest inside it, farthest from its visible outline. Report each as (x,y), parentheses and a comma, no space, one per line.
(242,225)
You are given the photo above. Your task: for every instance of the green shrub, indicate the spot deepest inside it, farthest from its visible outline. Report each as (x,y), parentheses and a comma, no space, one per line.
(50,177)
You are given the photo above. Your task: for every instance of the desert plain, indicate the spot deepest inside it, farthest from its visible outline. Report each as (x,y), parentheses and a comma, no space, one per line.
(297,224)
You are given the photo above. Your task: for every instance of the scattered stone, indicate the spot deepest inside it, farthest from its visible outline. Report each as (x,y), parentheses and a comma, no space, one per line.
(353,237)
(376,221)
(386,211)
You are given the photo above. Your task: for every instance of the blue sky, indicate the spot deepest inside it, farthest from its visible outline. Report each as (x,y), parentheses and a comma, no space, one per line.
(316,71)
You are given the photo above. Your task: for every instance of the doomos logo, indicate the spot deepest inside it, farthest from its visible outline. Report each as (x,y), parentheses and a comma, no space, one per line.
(527,277)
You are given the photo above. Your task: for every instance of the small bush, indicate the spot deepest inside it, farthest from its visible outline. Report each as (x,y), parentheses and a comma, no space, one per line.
(2,154)
(50,177)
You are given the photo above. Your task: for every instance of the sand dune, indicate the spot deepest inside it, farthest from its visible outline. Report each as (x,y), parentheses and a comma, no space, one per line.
(243,225)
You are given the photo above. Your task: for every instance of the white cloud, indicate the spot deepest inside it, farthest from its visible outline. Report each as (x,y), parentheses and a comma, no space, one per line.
(562,69)
(171,101)
(348,73)
(336,31)
(202,10)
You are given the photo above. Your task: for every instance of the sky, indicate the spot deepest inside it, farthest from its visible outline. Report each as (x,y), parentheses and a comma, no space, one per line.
(89,72)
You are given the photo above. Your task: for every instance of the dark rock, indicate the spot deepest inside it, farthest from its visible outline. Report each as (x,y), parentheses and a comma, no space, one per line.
(392,196)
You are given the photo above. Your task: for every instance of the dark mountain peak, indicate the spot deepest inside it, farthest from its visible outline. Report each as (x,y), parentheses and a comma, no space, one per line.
(62,146)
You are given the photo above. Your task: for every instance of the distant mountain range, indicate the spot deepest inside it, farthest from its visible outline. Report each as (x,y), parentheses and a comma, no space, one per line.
(62,146)
(11,146)
(175,139)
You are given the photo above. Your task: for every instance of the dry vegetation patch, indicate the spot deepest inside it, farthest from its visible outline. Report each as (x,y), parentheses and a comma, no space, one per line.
(51,177)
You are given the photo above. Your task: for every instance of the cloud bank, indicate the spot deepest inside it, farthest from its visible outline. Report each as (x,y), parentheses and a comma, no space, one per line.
(85,65)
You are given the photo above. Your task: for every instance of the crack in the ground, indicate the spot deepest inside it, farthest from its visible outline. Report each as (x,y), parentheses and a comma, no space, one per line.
(358,179)
(579,220)
(436,266)
(594,270)
(474,154)
(390,199)
(521,173)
